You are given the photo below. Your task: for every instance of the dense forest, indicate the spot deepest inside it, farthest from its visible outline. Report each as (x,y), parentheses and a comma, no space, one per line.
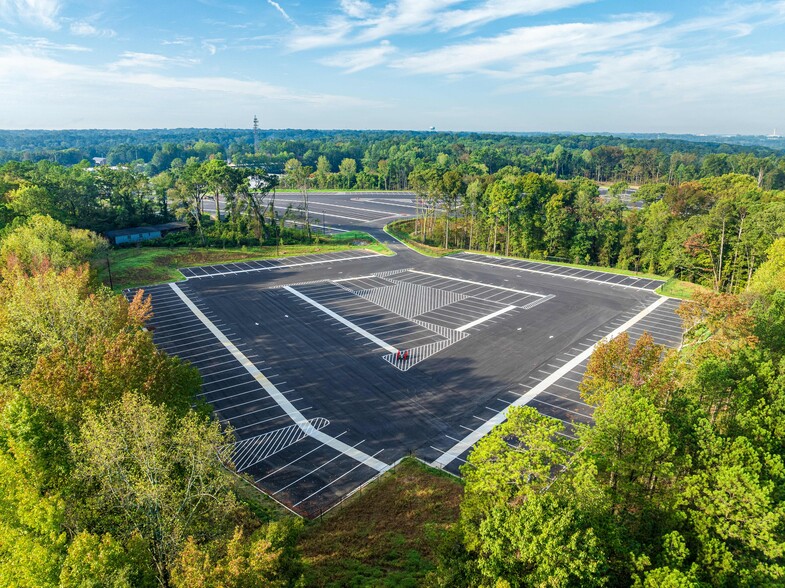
(601,157)
(709,212)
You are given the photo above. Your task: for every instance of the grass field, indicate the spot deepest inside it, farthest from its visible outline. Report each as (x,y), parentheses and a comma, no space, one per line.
(679,289)
(143,266)
(385,535)
(398,229)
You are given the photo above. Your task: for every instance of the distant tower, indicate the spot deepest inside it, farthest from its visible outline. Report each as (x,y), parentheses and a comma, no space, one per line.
(255,134)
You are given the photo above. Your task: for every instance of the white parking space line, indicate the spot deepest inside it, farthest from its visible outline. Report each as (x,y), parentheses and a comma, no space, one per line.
(224,388)
(196,326)
(283,467)
(501,416)
(263,421)
(485,318)
(252,390)
(279,398)
(316,469)
(573,400)
(284,266)
(247,402)
(334,481)
(182,321)
(315,205)
(549,273)
(564,388)
(660,332)
(540,401)
(478,283)
(196,363)
(332,215)
(241,374)
(245,414)
(343,321)
(189,347)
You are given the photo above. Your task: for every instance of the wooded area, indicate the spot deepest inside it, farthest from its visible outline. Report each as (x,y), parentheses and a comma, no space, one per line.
(709,213)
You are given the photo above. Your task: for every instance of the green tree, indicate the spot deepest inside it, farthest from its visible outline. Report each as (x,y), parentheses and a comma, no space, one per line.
(190,191)
(348,169)
(29,200)
(736,511)
(268,558)
(50,310)
(298,175)
(41,242)
(98,562)
(514,461)
(32,537)
(542,543)
(323,171)
(770,276)
(558,227)
(161,476)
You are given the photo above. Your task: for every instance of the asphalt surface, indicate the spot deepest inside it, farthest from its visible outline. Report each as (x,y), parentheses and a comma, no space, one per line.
(333,367)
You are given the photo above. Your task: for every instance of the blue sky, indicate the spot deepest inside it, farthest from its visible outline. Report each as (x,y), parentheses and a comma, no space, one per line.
(691,66)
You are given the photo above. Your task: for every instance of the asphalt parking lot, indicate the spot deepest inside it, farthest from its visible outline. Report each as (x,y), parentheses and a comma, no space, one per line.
(304,357)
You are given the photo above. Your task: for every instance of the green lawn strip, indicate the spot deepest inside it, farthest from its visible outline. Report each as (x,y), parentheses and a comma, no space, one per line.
(394,230)
(361,239)
(386,534)
(676,288)
(596,268)
(142,266)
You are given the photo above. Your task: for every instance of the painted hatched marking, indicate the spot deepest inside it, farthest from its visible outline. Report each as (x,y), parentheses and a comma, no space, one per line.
(410,300)
(248,452)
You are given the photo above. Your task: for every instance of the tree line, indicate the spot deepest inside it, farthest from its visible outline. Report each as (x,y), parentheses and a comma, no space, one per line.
(714,231)
(384,159)
(105,198)
(709,215)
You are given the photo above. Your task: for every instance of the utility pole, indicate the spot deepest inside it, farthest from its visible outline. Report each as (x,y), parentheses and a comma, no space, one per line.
(109,269)
(255,134)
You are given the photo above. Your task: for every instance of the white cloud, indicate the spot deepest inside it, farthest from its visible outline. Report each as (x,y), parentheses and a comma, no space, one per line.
(360,22)
(178,41)
(354,61)
(492,10)
(283,13)
(40,13)
(333,34)
(135,60)
(82,28)
(527,49)
(356,8)
(661,76)
(41,44)
(24,68)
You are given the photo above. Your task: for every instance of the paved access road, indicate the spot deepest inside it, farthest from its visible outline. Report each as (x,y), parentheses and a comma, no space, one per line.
(331,368)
